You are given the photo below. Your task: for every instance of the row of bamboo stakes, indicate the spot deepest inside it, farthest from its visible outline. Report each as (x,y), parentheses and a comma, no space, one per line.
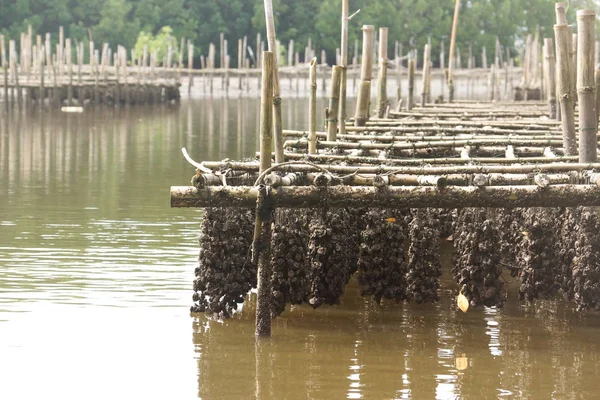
(458,154)
(39,73)
(34,70)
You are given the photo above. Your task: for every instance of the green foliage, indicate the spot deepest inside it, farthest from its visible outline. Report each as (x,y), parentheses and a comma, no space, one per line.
(410,22)
(159,44)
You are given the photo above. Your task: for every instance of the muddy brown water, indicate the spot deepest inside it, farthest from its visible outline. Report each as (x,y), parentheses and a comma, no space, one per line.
(96,274)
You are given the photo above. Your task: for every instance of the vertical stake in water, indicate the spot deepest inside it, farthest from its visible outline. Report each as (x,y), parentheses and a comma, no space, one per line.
(366,72)
(276,90)
(564,75)
(262,228)
(451,58)
(411,85)
(550,76)
(586,86)
(312,108)
(344,64)
(334,103)
(426,70)
(382,72)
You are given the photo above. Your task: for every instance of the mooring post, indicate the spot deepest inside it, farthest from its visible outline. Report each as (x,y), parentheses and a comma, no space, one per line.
(334,103)
(550,69)
(312,108)
(262,231)
(382,72)
(411,85)
(364,91)
(586,86)
(566,96)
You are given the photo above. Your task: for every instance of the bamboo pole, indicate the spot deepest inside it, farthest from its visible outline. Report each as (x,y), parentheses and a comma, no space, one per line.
(566,95)
(41,62)
(426,70)
(262,232)
(426,144)
(334,104)
(398,197)
(312,108)
(382,72)
(276,89)
(451,58)
(586,86)
(364,91)
(350,159)
(5,70)
(344,65)
(597,76)
(550,76)
(411,85)
(513,166)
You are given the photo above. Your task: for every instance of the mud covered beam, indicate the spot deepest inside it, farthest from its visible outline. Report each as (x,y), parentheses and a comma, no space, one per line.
(392,197)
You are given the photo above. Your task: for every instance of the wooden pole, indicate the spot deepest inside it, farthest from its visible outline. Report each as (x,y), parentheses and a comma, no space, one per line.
(364,92)
(276,89)
(586,86)
(334,103)
(312,108)
(382,72)
(411,84)
(399,197)
(41,62)
(451,58)
(597,93)
(566,96)
(424,93)
(262,232)
(344,65)
(5,70)
(190,66)
(550,76)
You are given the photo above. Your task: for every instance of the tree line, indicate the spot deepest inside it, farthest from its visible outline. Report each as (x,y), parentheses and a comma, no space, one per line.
(411,22)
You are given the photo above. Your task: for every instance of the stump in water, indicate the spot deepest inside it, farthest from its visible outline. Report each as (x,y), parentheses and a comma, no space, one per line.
(424,267)
(332,252)
(586,265)
(477,267)
(289,245)
(224,274)
(537,258)
(381,262)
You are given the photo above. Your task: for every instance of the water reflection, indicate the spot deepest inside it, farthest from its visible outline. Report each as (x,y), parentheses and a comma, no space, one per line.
(362,350)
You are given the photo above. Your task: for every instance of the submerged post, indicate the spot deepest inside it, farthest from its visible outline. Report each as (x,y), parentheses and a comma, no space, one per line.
(382,72)
(550,76)
(262,229)
(312,108)
(566,96)
(334,103)
(276,89)
(586,86)
(366,72)
(451,58)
